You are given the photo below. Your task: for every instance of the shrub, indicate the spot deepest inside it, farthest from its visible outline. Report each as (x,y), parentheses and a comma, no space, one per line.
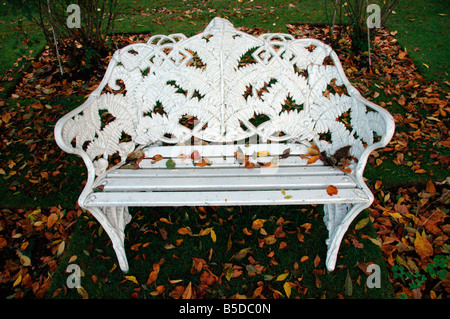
(83,46)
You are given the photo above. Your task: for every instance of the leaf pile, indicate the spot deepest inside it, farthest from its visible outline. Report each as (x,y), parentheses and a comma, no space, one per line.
(411,220)
(31,244)
(413,233)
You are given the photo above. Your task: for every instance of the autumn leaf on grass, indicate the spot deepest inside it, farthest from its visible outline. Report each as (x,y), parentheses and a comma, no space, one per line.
(132,278)
(187,294)
(184,231)
(332,190)
(423,246)
(153,274)
(287,289)
(258,223)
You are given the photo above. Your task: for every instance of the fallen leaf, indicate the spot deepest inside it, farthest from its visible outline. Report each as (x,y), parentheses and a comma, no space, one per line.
(362,223)
(332,190)
(132,278)
(187,294)
(51,220)
(170,164)
(422,246)
(258,223)
(184,231)
(196,156)
(287,289)
(213,235)
(282,277)
(262,154)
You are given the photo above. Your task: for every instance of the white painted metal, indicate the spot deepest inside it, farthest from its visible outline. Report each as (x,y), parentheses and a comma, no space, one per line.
(226,198)
(203,77)
(257,182)
(227,171)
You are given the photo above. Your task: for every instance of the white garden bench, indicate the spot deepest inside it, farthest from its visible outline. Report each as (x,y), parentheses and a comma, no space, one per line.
(195,107)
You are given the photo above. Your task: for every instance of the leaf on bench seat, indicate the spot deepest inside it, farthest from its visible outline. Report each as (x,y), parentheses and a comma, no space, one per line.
(170,164)
(332,190)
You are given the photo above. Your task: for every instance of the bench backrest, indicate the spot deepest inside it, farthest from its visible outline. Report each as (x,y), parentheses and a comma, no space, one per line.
(224,85)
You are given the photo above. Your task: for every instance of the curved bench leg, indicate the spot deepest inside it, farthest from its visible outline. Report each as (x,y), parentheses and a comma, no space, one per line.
(113,220)
(338,218)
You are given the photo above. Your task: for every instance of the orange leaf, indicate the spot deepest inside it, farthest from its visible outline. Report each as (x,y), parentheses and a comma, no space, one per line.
(312,159)
(195,155)
(203,163)
(157,158)
(316,261)
(249,165)
(331,190)
(183,231)
(187,294)
(304,258)
(431,189)
(258,223)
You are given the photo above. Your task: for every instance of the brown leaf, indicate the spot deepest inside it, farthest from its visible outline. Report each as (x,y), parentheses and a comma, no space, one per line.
(431,189)
(187,294)
(316,261)
(422,246)
(52,219)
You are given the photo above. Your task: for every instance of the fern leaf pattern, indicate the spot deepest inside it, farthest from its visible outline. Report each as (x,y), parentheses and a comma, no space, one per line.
(226,79)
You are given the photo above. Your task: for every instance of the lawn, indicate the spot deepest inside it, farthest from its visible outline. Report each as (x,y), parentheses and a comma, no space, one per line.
(42,230)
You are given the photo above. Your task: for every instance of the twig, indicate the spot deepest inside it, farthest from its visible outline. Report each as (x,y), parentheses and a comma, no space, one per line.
(54,37)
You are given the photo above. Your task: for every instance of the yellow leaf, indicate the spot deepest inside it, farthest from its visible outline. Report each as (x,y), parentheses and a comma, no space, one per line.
(375,241)
(83,293)
(282,276)
(18,280)
(132,278)
(61,248)
(72,259)
(205,231)
(283,192)
(262,154)
(362,223)
(25,260)
(258,223)
(287,289)
(213,235)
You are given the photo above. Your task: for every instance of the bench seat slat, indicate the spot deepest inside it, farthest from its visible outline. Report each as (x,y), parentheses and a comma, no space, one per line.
(225,150)
(227,171)
(257,182)
(229,161)
(226,198)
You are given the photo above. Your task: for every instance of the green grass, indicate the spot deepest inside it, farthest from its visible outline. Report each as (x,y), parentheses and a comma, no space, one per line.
(95,259)
(423,28)
(420,24)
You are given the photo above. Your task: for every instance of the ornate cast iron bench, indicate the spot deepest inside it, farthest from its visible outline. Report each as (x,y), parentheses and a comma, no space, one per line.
(225,118)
